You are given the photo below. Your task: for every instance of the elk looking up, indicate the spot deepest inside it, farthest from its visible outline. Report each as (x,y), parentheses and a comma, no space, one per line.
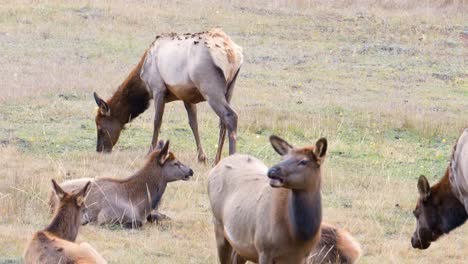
(129,202)
(268,215)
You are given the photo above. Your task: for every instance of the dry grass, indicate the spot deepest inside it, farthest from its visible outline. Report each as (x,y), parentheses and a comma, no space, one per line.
(384,81)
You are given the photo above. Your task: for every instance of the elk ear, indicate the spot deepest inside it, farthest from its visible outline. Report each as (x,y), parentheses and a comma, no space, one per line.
(280,145)
(58,190)
(424,188)
(162,156)
(80,198)
(103,106)
(160,144)
(321,148)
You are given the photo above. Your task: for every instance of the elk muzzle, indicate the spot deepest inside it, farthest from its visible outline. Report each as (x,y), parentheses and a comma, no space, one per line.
(275,175)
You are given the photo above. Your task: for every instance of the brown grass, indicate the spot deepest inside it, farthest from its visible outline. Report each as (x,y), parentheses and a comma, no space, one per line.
(384,81)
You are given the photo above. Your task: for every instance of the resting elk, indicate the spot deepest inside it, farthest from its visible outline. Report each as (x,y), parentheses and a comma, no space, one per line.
(275,221)
(56,243)
(444,206)
(191,68)
(336,245)
(130,202)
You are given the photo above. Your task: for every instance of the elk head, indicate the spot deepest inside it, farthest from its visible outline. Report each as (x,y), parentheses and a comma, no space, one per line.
(300,168)
(108,127)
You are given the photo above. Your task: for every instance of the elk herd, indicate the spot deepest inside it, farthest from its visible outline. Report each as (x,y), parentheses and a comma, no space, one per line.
(260,214)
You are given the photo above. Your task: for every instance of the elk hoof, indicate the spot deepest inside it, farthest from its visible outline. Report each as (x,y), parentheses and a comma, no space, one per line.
(156,217)
(202,157)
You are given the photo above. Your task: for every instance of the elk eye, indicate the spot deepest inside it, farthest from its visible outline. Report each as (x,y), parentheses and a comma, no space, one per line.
(303,162)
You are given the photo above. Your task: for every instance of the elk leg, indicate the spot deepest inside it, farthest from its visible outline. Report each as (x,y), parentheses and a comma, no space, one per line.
(222,135)
(224,248)
(157,217)
(236,259)
(229,119)
(265,259)
(192,117)
(222,127)
(159,104)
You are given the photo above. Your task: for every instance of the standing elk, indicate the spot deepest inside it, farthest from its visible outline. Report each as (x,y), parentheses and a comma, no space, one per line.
(56,243)
(258,223)
(129,202)
(444,206)
(193,68)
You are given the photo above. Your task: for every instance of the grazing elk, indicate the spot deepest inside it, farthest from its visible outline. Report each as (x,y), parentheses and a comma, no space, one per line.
(444,206)
(192,68)
(56,243)
(336,245)
(129,202)
(258,223)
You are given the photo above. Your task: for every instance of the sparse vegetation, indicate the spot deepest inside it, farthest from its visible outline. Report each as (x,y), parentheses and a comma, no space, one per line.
(384,81)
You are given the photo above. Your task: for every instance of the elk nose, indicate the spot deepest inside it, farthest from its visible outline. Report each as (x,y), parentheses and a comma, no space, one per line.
(191,172)
(274,171)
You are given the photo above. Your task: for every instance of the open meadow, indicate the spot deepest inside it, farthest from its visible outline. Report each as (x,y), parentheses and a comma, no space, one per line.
(386,83)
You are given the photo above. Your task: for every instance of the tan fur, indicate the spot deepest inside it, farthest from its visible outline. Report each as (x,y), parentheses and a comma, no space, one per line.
(226,54)
(336,246)
(47,248)
(56,243)
(252,219)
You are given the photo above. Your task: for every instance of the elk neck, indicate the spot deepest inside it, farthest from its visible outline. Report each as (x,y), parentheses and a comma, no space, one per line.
(132,98)
(65,223)
(147,181)
(305,212)
(452,212)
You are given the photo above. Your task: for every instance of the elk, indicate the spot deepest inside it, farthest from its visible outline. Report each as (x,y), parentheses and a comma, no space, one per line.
(192,68)
(336,245)
(444,206)
(56,243)
(268,220)
(129,202)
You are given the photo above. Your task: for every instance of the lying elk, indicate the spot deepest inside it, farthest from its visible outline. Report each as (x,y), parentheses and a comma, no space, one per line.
(192,68)
(56,243)
(129,202)
(444,206)
(258,223)
(336,245)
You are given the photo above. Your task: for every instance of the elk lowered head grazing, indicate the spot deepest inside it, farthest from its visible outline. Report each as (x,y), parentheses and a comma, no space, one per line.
(171,168)
(108,127)
(437,212)
(300,168)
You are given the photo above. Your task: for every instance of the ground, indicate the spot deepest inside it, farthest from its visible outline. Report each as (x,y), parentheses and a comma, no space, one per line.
(385,83)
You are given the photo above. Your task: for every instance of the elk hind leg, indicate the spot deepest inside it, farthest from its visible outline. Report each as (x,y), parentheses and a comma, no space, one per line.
(224,248)
(193,122)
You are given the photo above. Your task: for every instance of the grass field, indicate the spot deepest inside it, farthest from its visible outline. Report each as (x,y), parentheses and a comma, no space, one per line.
(386,83)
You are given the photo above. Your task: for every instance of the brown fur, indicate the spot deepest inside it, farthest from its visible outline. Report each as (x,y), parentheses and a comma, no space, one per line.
(336,246)
(55,243)
(131,99)
(129,201)
(256,222)
(440,208)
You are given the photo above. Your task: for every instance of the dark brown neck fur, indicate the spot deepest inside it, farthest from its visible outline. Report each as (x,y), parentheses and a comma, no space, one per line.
(452,212)
(66,222)
(132,98)
(305,213)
